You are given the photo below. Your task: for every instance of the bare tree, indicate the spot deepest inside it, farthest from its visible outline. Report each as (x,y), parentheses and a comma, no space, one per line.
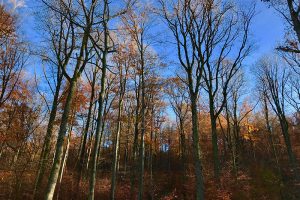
(104,45)
(273,74)
(123,63)
(59,35)
(186,21)
(136,23)
(290,11)
(226,46)
(80,19)
(82,151)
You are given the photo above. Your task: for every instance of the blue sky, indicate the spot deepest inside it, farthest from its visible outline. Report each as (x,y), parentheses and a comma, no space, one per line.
(267,31)
(267,28)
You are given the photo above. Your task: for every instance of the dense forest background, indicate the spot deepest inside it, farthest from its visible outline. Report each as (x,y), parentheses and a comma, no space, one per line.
(137,99)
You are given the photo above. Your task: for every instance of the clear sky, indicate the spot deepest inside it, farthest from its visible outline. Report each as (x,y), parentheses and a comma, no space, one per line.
(267,28)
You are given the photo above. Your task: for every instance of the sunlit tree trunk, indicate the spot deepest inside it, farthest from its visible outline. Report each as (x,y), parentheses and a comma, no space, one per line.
(64,161)
(143,122)
(135,141)
(117,141)
(101,104)
(196,148)
(82,151)
(98,134)
(60,141)
(46,146)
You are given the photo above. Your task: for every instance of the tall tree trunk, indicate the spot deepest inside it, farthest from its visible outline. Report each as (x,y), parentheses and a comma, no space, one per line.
(82,150)
(116,148)
(60,142)
(182,144)
(64,162)
(101,102)
(46,146)
(224,140)
(285,131)
(98,134)
(90,143)
(215,143)
(126,156)
(183,154)
(151,153)
(235,143)
(268,126)
(196,147)
(143,127)
(135,143)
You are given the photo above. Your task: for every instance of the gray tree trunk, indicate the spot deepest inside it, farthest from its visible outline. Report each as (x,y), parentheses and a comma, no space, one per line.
(116,148)
(82,151)
(98,134)
(46,146)
(64,162)
(60,141)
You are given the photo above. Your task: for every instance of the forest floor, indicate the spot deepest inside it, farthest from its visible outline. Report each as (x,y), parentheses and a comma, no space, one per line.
(256,183)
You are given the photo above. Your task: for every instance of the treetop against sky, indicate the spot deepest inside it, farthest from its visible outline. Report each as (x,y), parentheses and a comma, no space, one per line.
(267,29)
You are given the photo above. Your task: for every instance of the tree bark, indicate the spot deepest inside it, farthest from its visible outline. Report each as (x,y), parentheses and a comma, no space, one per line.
(196,148)
(64,162)
(143,126)
(285,131)
(295,18)
(214,137)
(47,141)
(82,151)
(116,148)
(60,141)
(98,130)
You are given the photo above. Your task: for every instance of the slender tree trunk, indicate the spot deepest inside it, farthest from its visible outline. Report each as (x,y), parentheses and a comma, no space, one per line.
(101,103)
(116,147)
(151,154)
(196,147)
(182,144)
(126,156)
(235,144)
(64,162)
(135,144)
(215,146)
(82,151)
(142,139)
(101,141)
(60,142)
(285,131)
(46,146)
(214,137)
(231,140)
(90,143)
(183,154)
(268,126)
(98,134)
(224,140)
